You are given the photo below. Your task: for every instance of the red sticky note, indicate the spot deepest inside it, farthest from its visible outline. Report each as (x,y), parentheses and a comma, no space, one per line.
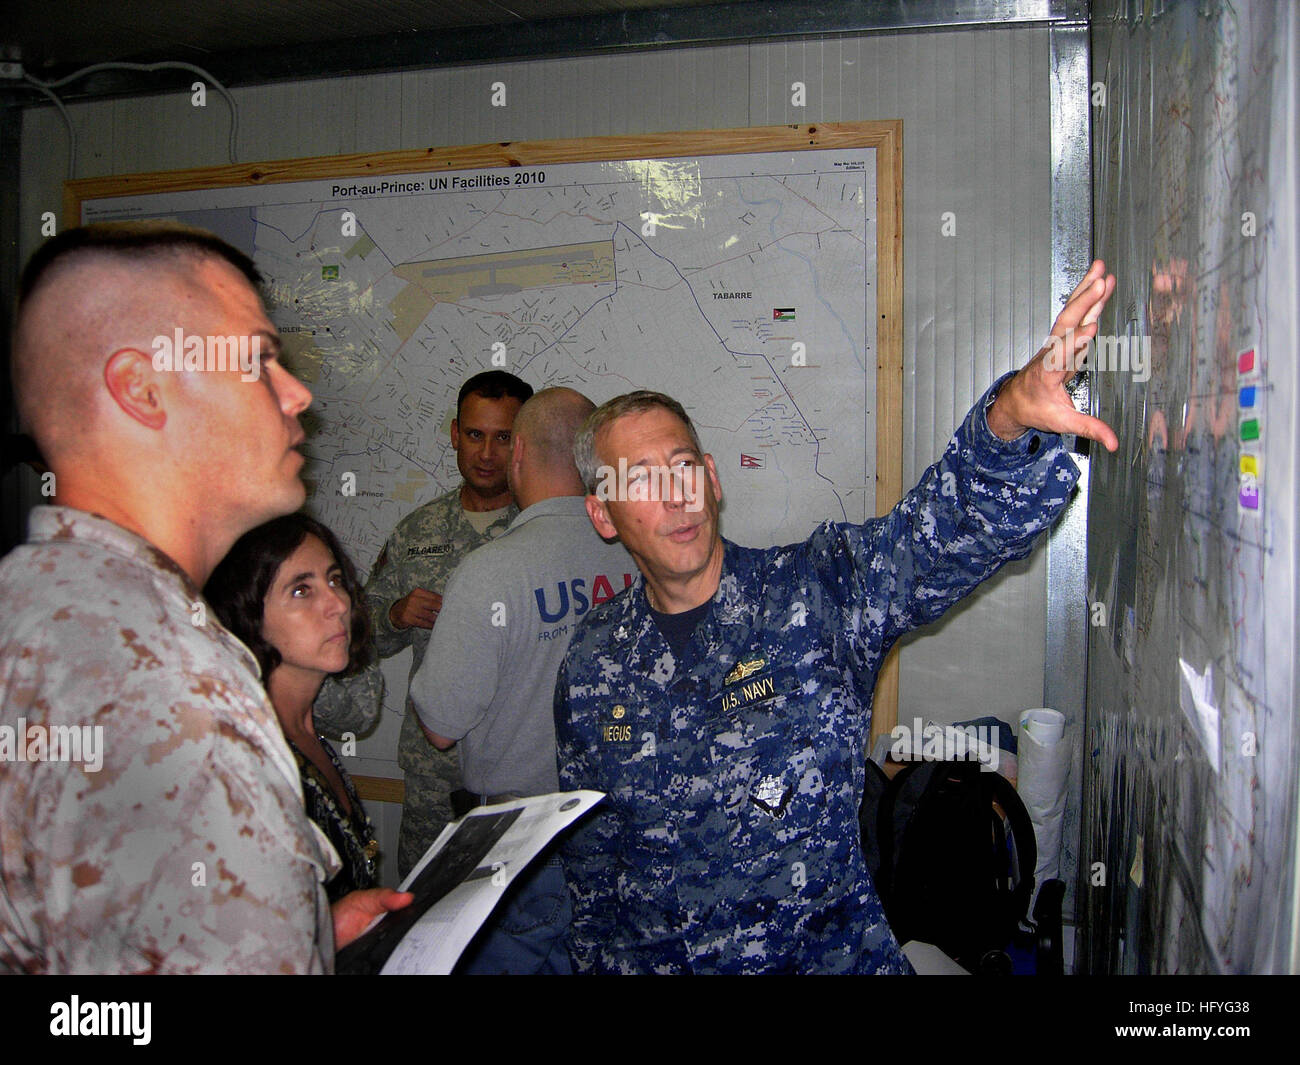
(1246,361)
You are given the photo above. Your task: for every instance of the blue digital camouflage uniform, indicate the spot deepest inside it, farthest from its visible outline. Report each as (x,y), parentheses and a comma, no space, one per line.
(729,839)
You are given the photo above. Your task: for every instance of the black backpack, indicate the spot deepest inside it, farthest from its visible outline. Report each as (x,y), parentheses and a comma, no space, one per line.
(940,856)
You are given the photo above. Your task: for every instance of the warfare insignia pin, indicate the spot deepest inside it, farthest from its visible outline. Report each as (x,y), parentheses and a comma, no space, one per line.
(771,796)
(743,670)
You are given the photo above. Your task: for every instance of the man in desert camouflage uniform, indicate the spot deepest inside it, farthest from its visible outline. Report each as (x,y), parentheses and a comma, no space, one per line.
(407,581)
(186,848)
(724,700)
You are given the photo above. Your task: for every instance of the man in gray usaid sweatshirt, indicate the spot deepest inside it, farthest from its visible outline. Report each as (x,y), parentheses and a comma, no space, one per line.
(488,676)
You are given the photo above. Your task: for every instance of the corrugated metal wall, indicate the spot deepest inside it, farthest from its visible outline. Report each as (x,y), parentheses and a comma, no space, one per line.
(976,142)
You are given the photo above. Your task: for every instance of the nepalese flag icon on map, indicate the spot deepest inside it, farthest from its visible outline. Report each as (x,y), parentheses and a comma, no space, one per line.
(783,314)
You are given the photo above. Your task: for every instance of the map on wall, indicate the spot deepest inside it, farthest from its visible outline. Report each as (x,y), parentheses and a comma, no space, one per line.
(733,282)
(751,274)
(1192,532)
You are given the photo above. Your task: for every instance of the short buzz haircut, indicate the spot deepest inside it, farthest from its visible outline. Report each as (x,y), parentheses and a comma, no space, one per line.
(153,248)
(129,240)
(494,384)
(584,445)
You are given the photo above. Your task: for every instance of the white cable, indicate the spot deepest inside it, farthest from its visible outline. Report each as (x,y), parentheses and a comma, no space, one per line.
(67,121)
(47,87)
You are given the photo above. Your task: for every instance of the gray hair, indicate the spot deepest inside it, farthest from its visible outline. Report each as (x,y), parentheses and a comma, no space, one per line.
(584,444)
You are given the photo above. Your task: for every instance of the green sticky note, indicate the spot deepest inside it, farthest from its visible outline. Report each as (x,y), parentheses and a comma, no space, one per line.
(1250,429)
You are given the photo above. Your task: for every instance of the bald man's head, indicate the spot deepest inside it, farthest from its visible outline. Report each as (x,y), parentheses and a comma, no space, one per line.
(550,420)
(91,291)
(546,426)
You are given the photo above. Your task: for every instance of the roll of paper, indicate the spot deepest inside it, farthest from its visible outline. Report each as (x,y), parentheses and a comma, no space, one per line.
(1044,764)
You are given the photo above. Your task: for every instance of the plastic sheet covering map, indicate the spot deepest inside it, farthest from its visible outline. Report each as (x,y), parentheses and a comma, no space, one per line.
(1189,838)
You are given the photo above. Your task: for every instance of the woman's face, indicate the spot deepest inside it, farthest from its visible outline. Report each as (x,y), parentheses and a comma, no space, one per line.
(307,615)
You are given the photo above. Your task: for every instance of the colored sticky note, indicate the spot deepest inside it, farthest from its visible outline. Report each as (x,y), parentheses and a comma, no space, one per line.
(1246,397)
(1249,465)
(1246,361)
(1250,429)
(1249,497)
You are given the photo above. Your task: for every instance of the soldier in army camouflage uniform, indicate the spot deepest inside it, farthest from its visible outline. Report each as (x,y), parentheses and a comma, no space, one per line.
(406,584)
(724,700)
(187,849)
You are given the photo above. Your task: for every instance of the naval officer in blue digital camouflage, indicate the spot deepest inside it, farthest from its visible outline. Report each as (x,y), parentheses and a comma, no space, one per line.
(724,700)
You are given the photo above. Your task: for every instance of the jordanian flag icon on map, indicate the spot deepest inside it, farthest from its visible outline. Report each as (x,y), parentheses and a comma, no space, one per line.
(783,314)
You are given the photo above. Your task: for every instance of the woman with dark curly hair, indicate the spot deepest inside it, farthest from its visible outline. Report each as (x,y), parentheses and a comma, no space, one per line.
(290,593)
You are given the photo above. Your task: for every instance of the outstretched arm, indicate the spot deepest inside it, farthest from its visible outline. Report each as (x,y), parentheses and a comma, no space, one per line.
(994,490)
(1036,397)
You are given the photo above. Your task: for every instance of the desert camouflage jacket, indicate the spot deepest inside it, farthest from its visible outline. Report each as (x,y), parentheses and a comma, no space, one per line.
(186,849)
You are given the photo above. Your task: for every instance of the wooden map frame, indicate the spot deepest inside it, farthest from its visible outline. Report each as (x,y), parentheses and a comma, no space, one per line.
(885,137)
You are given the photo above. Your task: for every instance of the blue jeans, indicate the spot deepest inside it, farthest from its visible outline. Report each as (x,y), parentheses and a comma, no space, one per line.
(525,933)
